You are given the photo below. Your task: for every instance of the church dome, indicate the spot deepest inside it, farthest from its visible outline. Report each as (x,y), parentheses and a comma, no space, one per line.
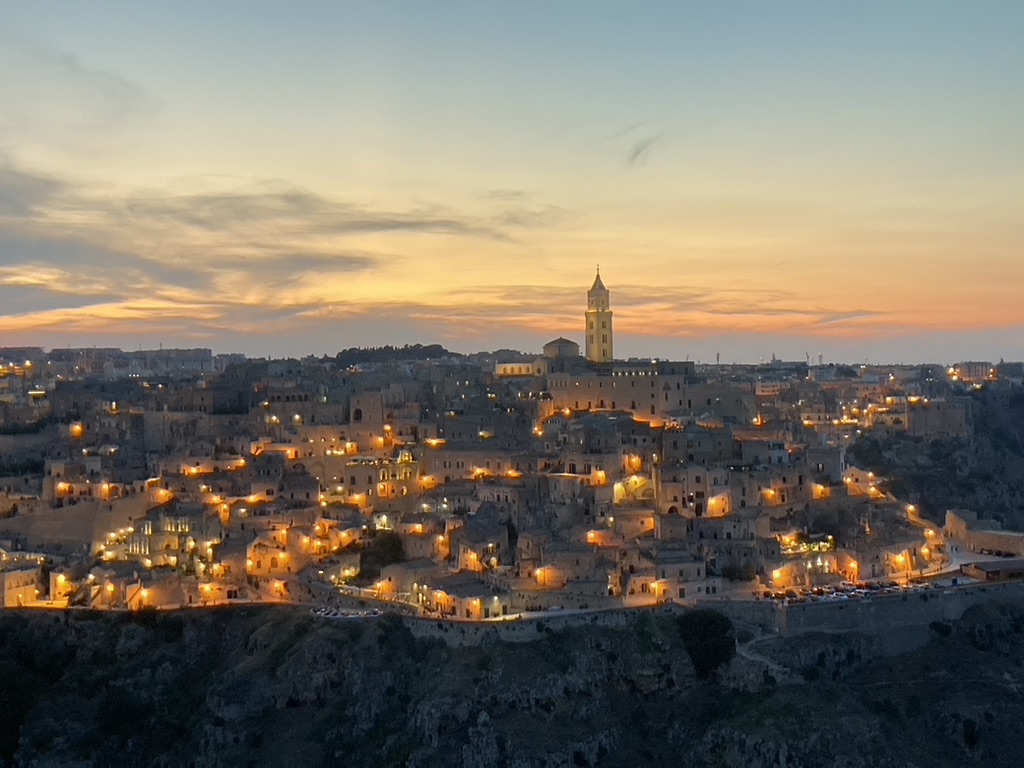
(561,347)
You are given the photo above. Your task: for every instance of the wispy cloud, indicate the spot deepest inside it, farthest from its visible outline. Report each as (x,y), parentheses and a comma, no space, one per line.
(256,258)
(301,212)
(51,99)
(22,192)
(625,131)
(641,150)
(505,195)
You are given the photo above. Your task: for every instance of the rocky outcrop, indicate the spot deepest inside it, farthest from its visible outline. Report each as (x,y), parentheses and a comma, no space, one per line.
(272,687)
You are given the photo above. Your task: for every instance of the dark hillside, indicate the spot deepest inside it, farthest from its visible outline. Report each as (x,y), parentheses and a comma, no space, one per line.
(274,687)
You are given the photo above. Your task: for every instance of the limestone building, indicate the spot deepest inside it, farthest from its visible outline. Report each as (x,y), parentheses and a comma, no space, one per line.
(599,323)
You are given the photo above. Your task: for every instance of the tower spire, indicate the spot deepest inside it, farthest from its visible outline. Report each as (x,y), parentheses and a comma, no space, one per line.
(599,322)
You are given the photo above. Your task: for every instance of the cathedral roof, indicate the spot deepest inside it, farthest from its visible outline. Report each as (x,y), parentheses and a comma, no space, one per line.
(598,285)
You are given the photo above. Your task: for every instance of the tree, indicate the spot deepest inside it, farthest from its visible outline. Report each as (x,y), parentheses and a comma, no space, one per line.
(384,549)
(745,572)
(708,639)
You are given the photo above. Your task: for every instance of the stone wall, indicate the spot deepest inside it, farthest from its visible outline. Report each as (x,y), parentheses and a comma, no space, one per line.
(760,616)
(539,600)
(525,630)
(995,541)
(72,528)
(900,620)
(31,445)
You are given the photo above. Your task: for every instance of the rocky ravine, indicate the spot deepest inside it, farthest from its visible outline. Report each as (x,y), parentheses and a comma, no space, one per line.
(274,687)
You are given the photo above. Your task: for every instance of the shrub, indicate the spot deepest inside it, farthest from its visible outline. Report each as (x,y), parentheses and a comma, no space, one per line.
(708,638)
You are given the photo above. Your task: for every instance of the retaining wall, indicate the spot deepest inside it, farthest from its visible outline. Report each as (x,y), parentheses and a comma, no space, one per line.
(900,620)
(524,630)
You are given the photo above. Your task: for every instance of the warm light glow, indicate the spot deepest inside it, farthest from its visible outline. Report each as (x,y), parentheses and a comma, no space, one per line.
(412,219)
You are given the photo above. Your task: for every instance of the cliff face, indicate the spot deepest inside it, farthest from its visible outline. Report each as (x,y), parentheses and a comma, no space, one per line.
(984,473)
(272,686)
(276,687)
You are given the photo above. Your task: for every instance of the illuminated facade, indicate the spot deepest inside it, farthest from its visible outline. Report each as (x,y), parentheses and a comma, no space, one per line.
(599,323)
(652,390)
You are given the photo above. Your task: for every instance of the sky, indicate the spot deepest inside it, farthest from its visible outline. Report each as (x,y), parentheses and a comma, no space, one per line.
(789,178)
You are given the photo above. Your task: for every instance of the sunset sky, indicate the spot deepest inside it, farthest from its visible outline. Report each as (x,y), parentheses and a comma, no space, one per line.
(284,179)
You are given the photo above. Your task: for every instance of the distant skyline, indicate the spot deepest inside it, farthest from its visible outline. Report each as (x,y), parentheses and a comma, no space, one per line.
(753,178)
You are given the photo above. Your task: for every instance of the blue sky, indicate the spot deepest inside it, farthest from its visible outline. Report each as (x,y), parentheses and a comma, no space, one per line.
(752,177)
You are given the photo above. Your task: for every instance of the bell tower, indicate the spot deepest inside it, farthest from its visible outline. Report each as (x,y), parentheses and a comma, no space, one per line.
(599,323)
